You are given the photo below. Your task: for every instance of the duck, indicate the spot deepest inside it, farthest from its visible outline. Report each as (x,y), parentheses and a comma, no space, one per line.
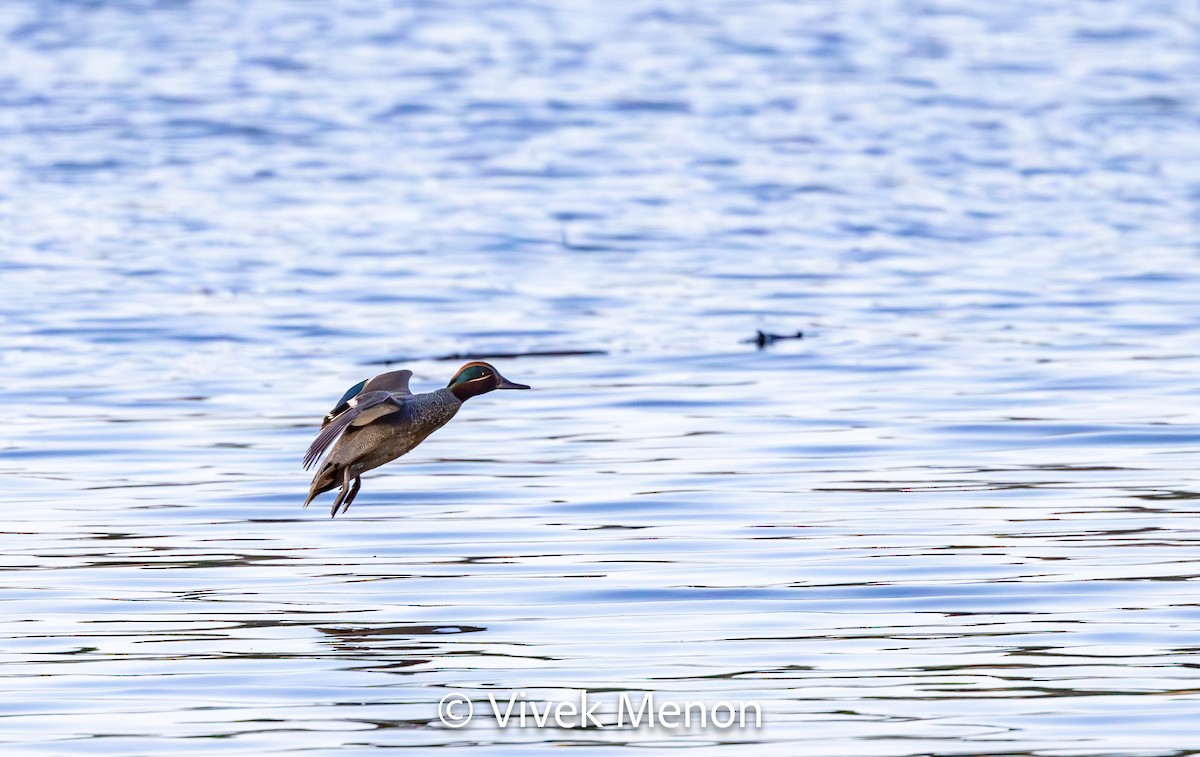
(379,419)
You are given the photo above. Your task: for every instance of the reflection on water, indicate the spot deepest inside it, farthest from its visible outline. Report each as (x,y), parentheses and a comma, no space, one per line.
(956,518)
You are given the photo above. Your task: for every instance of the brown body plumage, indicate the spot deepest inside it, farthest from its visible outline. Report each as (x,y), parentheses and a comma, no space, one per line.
(380,420)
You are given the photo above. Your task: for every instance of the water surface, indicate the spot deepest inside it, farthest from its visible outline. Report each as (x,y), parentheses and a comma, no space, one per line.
(957,518)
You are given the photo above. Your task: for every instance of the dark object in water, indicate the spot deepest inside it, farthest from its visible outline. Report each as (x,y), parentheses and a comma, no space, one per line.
(492,356)
(762,339)
(514,355)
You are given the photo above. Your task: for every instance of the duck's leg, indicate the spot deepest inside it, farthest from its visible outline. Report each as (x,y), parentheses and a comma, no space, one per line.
(354,487)
(341,494)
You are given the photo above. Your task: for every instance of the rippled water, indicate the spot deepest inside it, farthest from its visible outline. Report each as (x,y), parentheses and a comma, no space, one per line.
(957,518)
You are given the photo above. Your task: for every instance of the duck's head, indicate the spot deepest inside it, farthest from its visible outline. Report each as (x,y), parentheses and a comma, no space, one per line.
(479,378)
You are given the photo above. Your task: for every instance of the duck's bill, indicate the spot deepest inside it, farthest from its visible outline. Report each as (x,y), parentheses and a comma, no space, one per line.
(506,384)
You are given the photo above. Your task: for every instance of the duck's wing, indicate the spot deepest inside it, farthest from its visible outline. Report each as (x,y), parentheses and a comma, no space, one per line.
(395,382)
(360,410)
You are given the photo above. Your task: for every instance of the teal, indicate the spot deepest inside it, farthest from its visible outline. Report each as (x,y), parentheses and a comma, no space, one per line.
(380,419)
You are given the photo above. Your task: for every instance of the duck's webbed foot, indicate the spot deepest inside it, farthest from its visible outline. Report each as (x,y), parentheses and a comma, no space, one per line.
(355,485)
(350,487)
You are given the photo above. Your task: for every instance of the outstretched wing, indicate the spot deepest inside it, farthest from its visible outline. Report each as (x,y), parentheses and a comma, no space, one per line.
(395,382)
(360,410)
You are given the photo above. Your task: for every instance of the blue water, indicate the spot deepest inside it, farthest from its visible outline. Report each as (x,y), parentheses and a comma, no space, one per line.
(957,518)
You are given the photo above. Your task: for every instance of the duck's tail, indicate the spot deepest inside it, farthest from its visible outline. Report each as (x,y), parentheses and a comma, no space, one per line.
(328,477)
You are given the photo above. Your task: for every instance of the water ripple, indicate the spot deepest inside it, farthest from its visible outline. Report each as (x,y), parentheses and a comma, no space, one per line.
(955,518)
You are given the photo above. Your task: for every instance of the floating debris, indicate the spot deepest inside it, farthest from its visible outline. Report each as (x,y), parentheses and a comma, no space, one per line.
(489,356)
(512,355)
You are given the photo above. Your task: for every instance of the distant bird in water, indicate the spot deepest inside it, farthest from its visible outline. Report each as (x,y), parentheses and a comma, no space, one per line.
(763,339)
(379,420)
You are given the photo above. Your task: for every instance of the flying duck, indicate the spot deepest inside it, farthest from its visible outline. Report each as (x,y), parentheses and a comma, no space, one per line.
(378,420)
